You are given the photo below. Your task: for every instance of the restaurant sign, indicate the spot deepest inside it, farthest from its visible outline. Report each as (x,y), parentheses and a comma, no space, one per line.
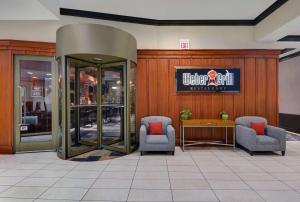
(207,79)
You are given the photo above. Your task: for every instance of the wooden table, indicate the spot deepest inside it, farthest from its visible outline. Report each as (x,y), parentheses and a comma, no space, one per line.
(206,123)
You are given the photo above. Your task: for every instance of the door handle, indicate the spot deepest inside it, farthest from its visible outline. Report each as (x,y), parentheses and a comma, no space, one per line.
(20,105)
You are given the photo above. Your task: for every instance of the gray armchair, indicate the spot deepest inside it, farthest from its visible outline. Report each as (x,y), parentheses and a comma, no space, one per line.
(165,142)
(273,140)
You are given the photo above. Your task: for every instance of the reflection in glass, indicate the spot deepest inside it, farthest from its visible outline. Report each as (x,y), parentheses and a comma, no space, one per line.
(35,99)
(83,107)
(132,91)
(112,81)
(60,104)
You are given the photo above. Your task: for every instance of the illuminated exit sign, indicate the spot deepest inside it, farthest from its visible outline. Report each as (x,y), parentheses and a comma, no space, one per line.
(184,44)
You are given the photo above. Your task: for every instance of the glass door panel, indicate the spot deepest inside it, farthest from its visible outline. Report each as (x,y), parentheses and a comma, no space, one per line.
(33,86)
(83,107)
(113,92)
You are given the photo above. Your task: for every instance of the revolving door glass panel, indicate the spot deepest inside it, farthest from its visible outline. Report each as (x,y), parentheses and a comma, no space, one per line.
(113,119)
(83,107)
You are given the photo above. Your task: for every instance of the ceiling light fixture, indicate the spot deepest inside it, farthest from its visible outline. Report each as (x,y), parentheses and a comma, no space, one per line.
(30,73)
(97,59)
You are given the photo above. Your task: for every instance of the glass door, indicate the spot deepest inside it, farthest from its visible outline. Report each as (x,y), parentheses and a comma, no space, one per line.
(83,99)
(34,87)
(113,110)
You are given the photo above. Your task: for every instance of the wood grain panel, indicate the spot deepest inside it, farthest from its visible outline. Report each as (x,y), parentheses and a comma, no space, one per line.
(163,87)
(6,100)
(261,87)
(142,90)
(250,90)
(272,91)
(254,65)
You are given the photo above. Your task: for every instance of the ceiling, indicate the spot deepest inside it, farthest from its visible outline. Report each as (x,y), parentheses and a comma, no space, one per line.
(175,9)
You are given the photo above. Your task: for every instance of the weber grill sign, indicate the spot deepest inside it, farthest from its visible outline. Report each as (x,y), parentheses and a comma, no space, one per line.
(207,79)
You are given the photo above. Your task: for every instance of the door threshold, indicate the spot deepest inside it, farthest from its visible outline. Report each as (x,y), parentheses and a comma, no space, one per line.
(38,151)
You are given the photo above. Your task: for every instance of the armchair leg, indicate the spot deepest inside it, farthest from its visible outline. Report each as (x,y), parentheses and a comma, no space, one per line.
(142,153)
(251,153)
(282,153)
(173,153)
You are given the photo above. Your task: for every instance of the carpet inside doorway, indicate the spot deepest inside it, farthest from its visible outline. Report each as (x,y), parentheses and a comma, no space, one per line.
(97,155)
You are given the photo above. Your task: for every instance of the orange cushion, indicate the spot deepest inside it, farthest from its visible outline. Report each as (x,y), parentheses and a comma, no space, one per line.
(155,128)
(259,127)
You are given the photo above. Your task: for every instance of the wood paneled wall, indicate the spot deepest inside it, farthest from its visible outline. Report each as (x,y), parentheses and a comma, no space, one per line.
(9,48)
(156,94)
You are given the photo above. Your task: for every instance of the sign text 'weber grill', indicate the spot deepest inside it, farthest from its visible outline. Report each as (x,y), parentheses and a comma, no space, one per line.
(207,79)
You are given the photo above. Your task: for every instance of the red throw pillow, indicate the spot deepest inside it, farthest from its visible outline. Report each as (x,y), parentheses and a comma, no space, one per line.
(155,128)
(259,127)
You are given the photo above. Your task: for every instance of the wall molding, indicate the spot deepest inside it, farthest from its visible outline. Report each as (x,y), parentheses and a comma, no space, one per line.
(288,57)
(148,21)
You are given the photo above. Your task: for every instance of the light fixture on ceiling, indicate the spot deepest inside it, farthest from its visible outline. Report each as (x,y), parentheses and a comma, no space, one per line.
(30,73)
(34,77)
(49,74)
(97,59)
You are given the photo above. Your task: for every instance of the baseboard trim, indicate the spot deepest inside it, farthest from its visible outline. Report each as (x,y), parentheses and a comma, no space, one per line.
(6,150)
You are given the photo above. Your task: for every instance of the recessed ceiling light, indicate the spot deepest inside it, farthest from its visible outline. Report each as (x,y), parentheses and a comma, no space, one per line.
(49,74)
(29,73)
(34,77)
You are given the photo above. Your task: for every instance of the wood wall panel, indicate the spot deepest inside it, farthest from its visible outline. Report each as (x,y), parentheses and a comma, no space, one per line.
(258,95)
(250,91)
(6,100)
(9,48)
(261,87)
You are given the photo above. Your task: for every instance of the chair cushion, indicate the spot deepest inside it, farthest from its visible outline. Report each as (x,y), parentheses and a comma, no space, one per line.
(157,139)
(155,128)
(266,140)
(259,127)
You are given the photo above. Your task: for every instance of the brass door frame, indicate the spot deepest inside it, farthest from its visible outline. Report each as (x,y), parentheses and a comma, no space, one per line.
(112,65)
(68,152)
(41,145)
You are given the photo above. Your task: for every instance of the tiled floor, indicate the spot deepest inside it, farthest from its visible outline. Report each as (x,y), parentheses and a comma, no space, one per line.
(206,174)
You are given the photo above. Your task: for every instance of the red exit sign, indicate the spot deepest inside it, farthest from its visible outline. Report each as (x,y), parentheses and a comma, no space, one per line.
(184,44)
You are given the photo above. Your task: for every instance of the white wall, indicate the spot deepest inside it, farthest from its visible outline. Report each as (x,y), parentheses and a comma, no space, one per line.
(148,37)
(289,86)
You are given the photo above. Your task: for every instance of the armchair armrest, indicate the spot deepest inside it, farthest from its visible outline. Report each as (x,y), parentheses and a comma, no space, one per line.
(171,134)
(278,133)
(143,135)
(245,136)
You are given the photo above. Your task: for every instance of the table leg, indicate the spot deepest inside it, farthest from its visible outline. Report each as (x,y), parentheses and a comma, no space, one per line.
(226,134)
(183,138)
(233,138)
(180,128)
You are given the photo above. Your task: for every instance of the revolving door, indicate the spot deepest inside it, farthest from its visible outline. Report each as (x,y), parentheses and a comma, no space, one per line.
(96,102)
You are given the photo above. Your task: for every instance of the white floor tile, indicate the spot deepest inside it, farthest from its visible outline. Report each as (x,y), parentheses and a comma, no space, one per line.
(113,183)
(189,184)
(268,185)
(140,195)
(74,182)
(193,195)
(150,184)
(238,196)
(10,180)
(280,196)
(106,195)
(151,175)
(23,192)
(64,193)
(37,182)
(226,184)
